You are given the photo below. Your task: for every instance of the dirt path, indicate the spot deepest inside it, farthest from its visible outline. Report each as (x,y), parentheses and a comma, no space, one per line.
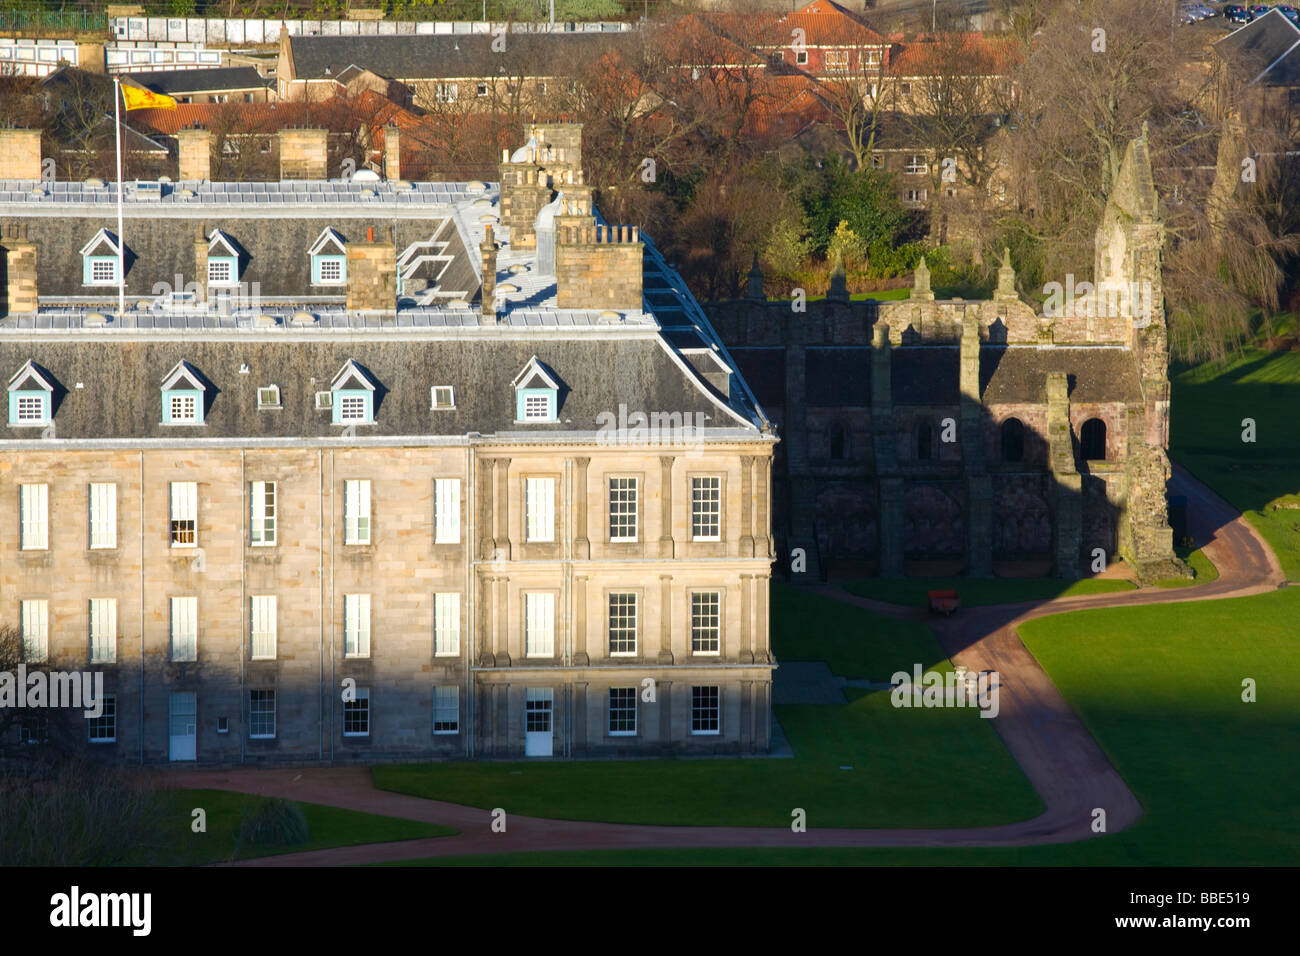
(1058,755)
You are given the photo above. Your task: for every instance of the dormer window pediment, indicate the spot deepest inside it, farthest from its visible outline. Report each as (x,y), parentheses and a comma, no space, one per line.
(100,259)
(329,259)
(223,260)
(537,392)
(353,391)
(31,395)
(184,392)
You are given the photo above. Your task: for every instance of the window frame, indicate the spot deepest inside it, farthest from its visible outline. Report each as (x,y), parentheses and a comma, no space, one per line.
(356,512)
(356,626)
(91,264)
(631,694)
(266,694)
(334,261)
(697,515)
(107,714)
(697,612)
(617,604)
(263,514)
(34,516)
(231,265)
(35,639)
(446,511)
(531,639)
(699,712)
(184,647)
(269,614)
(441,707)
(184,508)
(102,518)
(539,509)
(446,611)
(102,617)
(435,405)
(19,396)
(635,512)
(357,709)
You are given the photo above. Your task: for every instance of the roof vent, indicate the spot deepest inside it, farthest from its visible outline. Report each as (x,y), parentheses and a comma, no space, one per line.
(95,320)
(487,219)
(518,268)
(401,186)
(476,186)
(481,204)
(264,321)
(188,193)
(94,182)
(458,304)
(365,176)
(609,317)
(303,318)
(507,289)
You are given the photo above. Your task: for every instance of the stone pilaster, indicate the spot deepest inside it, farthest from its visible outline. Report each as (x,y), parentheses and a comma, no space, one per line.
(747,506)
(580,656)
(666,619)
(889,487)
(667,546)
(581,544)
(502,548)
(1067,483)
(979,488)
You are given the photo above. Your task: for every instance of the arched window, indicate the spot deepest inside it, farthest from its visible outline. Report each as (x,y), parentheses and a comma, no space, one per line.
(1092,440)
(838,442)
(1013,440)
(924,441)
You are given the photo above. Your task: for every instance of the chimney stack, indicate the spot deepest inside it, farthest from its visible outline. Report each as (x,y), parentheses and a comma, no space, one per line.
(194,147)
(20,154)
(488,277)
(201,261)
(304,154)
(372,275)
(20,268)
(597,267)
(392,153)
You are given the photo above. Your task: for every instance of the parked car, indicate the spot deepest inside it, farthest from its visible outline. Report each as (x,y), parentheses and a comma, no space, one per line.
(1258,11)
(1236,13)
(1205,10)
(1291,13)
(1187,15)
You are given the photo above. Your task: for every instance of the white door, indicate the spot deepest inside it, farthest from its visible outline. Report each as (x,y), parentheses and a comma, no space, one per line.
(183,710)
(537,722)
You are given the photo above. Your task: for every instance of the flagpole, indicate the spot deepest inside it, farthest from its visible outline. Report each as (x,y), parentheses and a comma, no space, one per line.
(121,243)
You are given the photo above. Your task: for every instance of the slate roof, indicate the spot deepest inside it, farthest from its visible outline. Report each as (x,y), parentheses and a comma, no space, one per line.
(1265,51)
(217,79)
(438,56)
(159,248)
(119,397)
(1096,373)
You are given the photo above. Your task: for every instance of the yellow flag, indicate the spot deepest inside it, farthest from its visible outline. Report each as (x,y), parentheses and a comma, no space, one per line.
(138,98)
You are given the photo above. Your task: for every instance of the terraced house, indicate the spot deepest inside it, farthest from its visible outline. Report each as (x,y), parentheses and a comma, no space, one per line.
(375,468)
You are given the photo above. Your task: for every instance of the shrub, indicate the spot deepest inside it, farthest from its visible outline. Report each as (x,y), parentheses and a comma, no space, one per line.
(274,822)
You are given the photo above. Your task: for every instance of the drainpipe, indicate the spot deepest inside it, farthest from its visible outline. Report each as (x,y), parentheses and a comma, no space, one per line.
(320,603)
(140,695)
(246,623)
(333,681)
(471,506)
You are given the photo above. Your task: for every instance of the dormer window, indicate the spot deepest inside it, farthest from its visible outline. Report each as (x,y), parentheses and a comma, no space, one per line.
(100,259)
(183,392)
(536,393)
(442,396)
(223,260)
(329,259)
(31,391)
(353,392)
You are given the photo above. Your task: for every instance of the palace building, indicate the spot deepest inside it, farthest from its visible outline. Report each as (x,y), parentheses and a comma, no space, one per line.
(375,469)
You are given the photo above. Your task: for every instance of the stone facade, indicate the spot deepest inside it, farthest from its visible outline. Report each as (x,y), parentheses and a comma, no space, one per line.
(304,154)
(969,434)
(20,154)
(194,155)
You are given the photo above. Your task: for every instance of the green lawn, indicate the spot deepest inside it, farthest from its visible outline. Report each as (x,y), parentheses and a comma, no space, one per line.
(1209,404)
(911,768)
(329,827)
(1203,569)
(1160,688)
(976,592)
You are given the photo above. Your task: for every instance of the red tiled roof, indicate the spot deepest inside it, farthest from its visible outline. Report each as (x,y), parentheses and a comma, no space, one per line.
(337,115)
(930,53)
(828,24)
